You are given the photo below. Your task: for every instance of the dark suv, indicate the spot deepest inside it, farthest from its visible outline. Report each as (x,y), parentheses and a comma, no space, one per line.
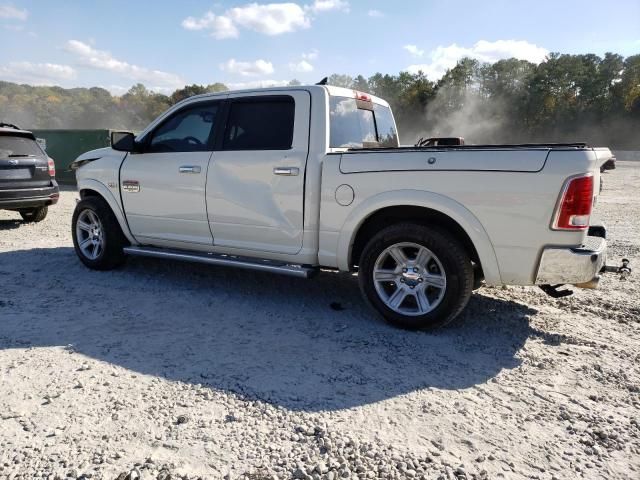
(27,183)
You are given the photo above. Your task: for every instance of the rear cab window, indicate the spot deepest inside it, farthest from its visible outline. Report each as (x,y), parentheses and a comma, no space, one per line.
(360,123)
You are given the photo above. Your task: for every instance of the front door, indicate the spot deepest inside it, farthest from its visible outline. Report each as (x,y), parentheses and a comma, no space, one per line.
(255,184)
(163,187)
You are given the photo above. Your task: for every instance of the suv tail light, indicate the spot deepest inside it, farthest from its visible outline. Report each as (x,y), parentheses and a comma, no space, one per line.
(574,209)
(52,167)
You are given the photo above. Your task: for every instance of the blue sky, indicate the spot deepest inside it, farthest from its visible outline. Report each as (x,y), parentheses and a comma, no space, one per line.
(166,44)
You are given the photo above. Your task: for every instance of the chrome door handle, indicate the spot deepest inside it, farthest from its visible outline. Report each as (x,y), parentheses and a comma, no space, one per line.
(189,169)
(290,171)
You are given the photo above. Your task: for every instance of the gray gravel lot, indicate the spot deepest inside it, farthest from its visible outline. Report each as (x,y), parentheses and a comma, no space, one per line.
(163,370)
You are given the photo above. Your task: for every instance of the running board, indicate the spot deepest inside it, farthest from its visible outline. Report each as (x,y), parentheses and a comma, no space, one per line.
(271,266)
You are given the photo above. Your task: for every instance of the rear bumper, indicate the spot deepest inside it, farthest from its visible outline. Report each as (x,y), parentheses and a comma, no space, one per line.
(578,265)
(29,197)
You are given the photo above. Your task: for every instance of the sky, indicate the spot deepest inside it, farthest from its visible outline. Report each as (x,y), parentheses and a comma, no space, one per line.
(168,44)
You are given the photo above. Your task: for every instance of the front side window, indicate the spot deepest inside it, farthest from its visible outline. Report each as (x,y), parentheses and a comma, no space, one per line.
(189,130)
(260,124)
(353,127)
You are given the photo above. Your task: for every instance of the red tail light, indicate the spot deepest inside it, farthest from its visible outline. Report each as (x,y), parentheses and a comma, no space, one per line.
(52,167)
(362,96)
(574,209)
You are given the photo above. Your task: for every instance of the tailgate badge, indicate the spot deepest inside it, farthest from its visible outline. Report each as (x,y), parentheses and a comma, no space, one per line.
(131,186)
(13,162)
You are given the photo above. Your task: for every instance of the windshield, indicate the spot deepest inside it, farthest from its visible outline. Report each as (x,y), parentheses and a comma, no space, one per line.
(12,147)
(354,127)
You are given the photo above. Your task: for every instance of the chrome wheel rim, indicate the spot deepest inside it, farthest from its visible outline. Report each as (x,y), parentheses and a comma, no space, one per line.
(89,234)
(409,279)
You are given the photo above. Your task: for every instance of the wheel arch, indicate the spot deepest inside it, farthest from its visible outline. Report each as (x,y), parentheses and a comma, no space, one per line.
(425,208)
(93,188)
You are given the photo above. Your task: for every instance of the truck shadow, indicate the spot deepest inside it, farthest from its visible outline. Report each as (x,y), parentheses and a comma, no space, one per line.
(304,345)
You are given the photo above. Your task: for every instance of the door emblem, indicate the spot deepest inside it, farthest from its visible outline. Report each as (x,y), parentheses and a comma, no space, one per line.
(131,186)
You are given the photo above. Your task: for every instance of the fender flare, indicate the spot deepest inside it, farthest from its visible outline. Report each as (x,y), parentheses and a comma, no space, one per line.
(102,190)
(434,201)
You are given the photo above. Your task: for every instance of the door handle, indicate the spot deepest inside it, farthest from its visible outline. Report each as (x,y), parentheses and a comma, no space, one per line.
(189,169)
(289,171)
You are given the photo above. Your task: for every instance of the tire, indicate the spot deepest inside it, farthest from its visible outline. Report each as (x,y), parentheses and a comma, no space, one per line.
(99,247)
(436,285)
(34,215)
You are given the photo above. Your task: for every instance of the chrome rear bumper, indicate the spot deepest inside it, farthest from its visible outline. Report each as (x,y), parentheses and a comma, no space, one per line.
(577,266)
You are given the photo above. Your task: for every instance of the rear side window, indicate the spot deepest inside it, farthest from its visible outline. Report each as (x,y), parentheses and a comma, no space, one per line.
(353,127)
(260,124)
(188,130)
(16,147)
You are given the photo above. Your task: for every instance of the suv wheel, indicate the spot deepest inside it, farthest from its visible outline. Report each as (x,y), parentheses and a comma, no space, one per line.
(416,276)
(97,237)
(34,214)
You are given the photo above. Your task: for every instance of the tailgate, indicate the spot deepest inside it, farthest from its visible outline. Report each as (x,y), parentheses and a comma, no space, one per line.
(22,164)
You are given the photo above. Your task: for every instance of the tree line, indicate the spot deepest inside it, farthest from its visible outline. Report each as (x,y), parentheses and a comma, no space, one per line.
(564,98)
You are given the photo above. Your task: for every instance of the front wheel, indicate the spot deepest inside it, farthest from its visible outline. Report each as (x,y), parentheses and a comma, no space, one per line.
(97,237)
(416,276)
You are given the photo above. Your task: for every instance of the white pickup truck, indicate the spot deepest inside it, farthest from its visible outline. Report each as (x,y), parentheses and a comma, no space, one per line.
(294,180)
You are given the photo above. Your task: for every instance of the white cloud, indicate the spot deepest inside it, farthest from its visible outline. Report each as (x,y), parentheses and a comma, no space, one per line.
(257,84)
(10,12)
(270,19)
(444,58)
(267,18)
(328,5)
(103,60)
(375,13)
(220,26)
(301,67)
(312,55)
(36,73)
(248,69)
(414,50)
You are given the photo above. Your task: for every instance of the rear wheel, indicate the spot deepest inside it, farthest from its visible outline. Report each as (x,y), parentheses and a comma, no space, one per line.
(416,276)
(97,237)
(34,214)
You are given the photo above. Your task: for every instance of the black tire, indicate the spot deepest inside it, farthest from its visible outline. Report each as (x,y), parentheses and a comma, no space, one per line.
(111,255)
(34,215)
(453,258)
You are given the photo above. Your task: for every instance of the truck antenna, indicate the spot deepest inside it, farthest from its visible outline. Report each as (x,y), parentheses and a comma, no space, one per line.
(324,81)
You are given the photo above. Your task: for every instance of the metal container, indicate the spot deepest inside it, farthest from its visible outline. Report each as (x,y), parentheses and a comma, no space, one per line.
(64,146)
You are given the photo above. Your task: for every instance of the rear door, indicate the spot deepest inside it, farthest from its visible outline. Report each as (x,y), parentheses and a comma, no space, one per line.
(255,185)
(23,164)
(163,187)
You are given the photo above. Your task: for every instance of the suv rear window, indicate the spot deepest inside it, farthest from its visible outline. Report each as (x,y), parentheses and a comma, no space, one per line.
(14,147)
(260,123)
(353,127)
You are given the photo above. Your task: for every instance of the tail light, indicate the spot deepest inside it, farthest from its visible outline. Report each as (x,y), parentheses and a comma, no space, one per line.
(574,208)
(362,96)
(52,167)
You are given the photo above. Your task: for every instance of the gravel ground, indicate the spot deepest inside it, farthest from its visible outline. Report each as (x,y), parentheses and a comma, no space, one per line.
(164,370)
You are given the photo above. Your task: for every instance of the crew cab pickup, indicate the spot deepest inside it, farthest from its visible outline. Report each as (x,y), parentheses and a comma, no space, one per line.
(292,180)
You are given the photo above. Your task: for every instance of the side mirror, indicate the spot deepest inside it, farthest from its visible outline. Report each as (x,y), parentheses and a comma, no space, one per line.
(123,141)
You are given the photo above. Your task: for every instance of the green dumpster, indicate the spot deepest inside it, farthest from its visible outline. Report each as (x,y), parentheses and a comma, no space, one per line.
(64,146)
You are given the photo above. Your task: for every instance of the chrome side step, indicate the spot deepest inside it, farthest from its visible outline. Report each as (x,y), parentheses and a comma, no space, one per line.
(271,266)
